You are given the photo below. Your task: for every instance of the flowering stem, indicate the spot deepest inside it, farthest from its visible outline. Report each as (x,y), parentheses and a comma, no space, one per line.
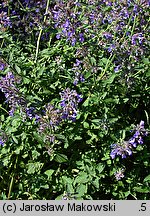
(121,39)
(20,4)
(2,42)
(40,33)
(133,25)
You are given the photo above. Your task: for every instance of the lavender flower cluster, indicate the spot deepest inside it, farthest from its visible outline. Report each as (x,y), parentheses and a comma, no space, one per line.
(69,103)
(78,76)
(66,20)
(22,17)
(49,121)
(52,117)
(12,94)
(117,27)
(124,148)
(14,97)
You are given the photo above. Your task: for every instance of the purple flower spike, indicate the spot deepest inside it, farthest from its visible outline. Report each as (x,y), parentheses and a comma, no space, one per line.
(12,94)
(123,149)
(69,103)
(140,132)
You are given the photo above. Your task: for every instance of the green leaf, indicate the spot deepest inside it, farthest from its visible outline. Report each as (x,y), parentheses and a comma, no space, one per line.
(148,74)
(112,120)
(96,120)
(61,158)
(85,124)
(104,60)
(2,118)
(18,150)
(82,178)
(78,138)
(49,172)
(35,154)
(100,167)
(15,139)
(81,189)
(86,102)
(61,137)
(146,61)
(90,170)
(16,123)
(141,190)
(34,167)
(17,69)
(147,179)
(96,183)
(93,61)
(111,79)
(38,137)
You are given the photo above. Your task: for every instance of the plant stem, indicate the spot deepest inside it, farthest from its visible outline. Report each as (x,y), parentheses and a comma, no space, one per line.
(12,179)
(109,61)
(3,109)
(40,32)
(10,186)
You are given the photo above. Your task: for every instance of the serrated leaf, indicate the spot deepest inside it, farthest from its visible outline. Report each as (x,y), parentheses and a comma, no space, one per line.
(82,178)
(34,167)
(96,183)
(49,172)
(110,79)
(147,179)
(85,124)
(86,102)
(93,61)
(17,69)
(141,190)
(81,189)
(38,137)
(100,167)
(61,158)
